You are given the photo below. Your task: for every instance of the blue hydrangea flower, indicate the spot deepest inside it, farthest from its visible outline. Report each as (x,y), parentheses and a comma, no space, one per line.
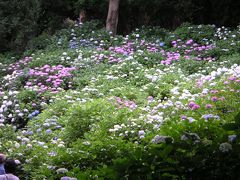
(207,116)
(73,45)
(37,111)
(162,44)
(232,138)
(29,132)
(30,116)
(55,138)
(48,131)
(39,130)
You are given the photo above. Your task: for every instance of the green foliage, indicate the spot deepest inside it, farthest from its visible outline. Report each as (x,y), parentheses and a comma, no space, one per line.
(40,42)
(150,59)
(130,119)
(24,20)
(152,33)
(82,118)
(50,57)
(7,134)
(27,96)
(197,32)
(18,23)
(192,66)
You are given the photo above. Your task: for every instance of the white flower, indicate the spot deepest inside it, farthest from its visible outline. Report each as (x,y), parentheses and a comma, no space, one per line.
(205,91)
(111,130)
(5,97)
(161,139)
(61,145)
(87,143)
(17,145)
(41,143)
(15,92)
(29,146)
(20,114)
(61,170)
(117,127)
(25,140)
(17,161)
(225,147)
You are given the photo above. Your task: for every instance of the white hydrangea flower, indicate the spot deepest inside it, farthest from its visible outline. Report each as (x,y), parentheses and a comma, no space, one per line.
(225,147)
(61,170)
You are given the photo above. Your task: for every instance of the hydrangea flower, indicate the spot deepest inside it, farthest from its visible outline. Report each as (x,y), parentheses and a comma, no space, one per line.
(61,170)
(232,138)
(161,139)
(225,147)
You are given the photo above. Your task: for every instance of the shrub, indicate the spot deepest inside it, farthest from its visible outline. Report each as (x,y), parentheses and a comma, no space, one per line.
(40,42)
(82,118)
(197,32)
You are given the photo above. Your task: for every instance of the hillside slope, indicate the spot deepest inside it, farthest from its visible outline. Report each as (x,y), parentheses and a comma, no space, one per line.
(151,105)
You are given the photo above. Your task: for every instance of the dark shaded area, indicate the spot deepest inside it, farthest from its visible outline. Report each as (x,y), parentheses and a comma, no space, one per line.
(171,14)
(20,21)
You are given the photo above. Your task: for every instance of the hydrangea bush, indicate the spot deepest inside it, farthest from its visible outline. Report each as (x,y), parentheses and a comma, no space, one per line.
(153,104)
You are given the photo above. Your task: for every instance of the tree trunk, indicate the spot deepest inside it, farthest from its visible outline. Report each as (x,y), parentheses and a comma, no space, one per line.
(112,18)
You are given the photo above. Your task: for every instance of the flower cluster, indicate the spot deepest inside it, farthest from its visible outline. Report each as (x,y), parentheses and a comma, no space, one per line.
(187,50)
(49,78)
(125,103)
(19,65)
(10,109)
